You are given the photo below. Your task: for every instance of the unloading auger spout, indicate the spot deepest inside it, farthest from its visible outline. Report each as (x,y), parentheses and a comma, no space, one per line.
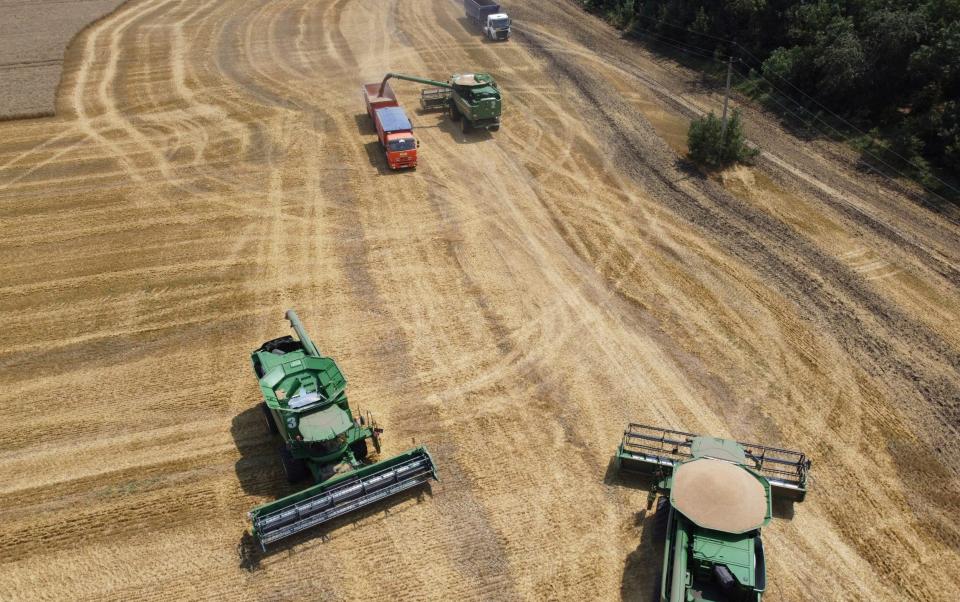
(413,78)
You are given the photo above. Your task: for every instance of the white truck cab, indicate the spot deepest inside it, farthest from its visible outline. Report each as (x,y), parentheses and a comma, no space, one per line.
(497,26)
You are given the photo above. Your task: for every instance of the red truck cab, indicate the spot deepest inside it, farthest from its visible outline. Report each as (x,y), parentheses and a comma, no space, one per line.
(393,128)
(401,149)
(396,137)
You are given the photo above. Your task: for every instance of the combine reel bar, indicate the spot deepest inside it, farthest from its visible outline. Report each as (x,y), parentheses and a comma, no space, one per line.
(337,497)
(435,99)
(653,451)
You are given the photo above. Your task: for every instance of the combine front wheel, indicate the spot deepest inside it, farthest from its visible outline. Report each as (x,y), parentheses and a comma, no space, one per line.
(660,520)
(268,419)
(359,449)
(294,469)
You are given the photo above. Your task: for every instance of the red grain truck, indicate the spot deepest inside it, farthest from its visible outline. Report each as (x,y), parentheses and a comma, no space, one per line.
(393,128)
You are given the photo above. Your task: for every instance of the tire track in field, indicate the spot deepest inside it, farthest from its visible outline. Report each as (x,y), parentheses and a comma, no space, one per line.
(511,303)
(478,541)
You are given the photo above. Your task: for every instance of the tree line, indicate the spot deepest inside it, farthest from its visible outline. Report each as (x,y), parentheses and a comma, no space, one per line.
(890,68)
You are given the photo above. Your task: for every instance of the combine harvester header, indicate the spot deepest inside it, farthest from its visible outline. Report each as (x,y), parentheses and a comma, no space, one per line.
(645,448)
(305,403)
(718,494)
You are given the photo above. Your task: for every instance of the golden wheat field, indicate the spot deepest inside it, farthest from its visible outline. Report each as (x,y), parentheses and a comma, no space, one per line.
(512,304)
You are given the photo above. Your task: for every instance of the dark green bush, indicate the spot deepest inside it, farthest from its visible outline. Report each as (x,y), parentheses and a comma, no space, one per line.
(711,147)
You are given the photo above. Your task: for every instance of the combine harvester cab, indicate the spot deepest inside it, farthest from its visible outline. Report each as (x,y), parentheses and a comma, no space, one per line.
(305,402)
(718,494)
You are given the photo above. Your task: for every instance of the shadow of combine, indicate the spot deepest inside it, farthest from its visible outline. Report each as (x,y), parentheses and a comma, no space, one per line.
(421,112)
(626,479)
(260,473)
(251,554)
(259,469)
(642,568)
(448,126)
(782,508)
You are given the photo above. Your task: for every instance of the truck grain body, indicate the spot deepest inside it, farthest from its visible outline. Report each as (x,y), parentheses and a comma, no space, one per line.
(489,17)
(374,98)
(394,129)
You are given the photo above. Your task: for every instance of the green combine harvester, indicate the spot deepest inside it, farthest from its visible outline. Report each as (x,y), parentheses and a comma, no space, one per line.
(473,99)
(717,494)
(305,402)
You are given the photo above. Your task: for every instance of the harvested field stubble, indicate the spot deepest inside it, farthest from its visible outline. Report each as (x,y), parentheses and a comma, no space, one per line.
(513,304)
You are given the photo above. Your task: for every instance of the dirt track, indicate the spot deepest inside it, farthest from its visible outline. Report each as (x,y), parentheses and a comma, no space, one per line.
(512,304)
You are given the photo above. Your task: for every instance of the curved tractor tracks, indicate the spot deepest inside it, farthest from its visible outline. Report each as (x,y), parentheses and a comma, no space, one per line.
(512,303)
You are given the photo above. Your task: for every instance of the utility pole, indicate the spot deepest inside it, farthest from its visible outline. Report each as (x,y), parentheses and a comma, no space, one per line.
(726,99)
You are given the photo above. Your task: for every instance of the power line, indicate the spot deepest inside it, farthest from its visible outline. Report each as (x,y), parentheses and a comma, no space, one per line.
(695,50)
(681,28)
(840,134)
(847,123)
(806,123)
(810,125)
(799,104)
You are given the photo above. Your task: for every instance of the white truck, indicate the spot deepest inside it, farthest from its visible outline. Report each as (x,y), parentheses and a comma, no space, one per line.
(488,15)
